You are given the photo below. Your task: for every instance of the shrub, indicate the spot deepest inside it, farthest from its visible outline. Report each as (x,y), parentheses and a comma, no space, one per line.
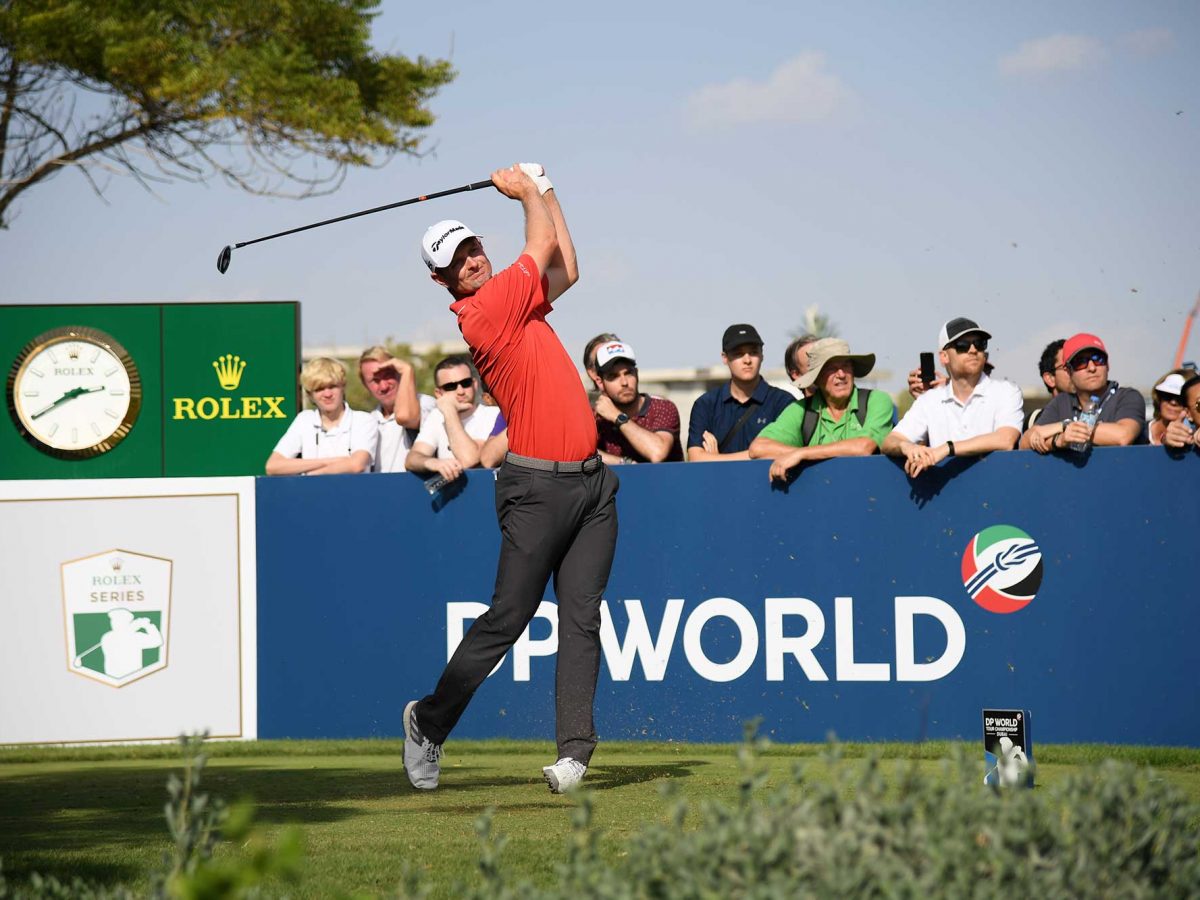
(1110,831)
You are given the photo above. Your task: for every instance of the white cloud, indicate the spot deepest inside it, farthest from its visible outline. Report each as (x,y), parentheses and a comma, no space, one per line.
(1149,41)
(800,90)
(1057,53)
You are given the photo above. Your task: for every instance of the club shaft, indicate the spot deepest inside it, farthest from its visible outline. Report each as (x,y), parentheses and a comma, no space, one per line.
(366,212)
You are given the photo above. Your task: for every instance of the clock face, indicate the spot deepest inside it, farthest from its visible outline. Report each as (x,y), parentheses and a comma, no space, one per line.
(74,392)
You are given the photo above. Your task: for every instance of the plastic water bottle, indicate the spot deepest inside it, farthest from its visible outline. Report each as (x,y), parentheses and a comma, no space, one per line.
(1088,417)
(435,484)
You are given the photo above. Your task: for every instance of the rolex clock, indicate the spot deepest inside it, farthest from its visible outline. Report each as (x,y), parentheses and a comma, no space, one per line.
(74,392)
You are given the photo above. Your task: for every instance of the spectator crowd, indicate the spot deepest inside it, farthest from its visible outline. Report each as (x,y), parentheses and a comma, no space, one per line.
(961,410)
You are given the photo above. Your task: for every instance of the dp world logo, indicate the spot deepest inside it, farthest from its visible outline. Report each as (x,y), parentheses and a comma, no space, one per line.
(1002,569)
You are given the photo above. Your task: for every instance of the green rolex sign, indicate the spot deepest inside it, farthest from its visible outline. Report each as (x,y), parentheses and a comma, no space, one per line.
(215,387)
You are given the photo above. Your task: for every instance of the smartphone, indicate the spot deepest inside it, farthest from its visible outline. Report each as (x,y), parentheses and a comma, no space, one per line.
(927,373)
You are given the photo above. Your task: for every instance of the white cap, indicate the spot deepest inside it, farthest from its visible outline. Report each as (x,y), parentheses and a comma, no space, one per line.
(611,351)
(441,240)
(1172,384)
(956,328)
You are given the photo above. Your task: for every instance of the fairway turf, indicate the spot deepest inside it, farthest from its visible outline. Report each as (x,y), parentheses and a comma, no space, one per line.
(98,812)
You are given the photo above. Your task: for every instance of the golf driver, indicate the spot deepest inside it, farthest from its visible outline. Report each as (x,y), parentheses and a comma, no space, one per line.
(224,256)
(78,661)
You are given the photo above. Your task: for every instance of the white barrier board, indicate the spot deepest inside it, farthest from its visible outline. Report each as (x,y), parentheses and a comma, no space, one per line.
(129,612)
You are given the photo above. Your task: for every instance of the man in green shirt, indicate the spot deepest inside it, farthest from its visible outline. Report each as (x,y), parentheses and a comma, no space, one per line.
(839,419)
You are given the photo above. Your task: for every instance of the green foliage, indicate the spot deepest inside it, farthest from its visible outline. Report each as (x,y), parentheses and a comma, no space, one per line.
(1111,831)
(192,88)
(197,823)
(817,324)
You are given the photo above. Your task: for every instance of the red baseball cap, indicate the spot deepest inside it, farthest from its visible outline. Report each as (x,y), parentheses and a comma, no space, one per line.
(1080,342)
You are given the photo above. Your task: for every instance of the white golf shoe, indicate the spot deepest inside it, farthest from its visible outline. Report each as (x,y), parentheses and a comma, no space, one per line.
(564,775)
(421,756)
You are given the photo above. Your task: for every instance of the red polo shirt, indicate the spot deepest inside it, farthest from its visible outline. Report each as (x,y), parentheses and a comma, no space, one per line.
(525,365)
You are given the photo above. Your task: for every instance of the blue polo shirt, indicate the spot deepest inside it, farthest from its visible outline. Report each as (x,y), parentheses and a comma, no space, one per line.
(716,412)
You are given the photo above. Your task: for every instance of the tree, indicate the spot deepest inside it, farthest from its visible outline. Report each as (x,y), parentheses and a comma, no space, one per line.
(817,324)
(278,97)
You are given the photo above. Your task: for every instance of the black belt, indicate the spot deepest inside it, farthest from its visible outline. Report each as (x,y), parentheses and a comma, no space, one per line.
(587,466)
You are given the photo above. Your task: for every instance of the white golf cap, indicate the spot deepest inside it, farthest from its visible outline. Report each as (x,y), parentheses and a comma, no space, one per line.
(613,351)
(956,328)
(441,240)
(1172,384)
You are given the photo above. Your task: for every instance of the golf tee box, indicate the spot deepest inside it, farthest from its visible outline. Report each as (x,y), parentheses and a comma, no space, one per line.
(1007,747)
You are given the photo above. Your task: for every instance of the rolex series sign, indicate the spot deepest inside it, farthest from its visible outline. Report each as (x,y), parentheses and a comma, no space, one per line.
(146,390)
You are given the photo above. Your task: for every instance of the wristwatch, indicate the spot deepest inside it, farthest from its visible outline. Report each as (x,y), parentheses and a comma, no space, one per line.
(620,420)
(950,448)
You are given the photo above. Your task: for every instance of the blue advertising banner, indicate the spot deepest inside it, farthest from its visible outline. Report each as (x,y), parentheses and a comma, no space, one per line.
(854,601)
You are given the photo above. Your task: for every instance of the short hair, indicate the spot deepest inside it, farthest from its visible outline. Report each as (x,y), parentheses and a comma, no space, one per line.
(320,372)
(1046,363)
(789,355)
(589,349)
(378,353)
(453,362)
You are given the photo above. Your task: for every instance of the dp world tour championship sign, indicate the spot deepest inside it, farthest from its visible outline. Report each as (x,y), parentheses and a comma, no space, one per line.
(854,601)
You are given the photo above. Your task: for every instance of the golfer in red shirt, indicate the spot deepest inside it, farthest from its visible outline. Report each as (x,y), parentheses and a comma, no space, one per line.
(555,499)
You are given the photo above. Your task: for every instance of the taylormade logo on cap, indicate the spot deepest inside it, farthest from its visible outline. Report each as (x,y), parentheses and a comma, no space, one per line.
(441,240)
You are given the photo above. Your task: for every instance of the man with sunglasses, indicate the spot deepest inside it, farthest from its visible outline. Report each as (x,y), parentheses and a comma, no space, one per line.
(971,414)
(451,435)
(555,499)
(1119,412)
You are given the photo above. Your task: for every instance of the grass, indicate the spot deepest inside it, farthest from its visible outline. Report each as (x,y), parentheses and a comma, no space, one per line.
(98,812)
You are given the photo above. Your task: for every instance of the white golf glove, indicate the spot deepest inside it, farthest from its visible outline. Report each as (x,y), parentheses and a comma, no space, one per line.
(538,174)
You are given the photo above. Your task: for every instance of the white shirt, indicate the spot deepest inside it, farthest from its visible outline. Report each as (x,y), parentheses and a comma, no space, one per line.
(394,440)
(477,424)
(306,438)
(937,416)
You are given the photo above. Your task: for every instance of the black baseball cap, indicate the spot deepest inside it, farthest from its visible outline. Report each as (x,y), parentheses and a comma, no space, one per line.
(736,335)
(956,328)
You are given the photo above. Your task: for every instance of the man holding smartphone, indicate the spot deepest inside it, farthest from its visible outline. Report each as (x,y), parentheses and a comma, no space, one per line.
(969,415)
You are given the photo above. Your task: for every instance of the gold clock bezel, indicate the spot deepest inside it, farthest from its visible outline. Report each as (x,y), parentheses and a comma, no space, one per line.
(91,336)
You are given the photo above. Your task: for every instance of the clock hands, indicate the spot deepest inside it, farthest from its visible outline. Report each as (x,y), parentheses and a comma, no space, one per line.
(69,395)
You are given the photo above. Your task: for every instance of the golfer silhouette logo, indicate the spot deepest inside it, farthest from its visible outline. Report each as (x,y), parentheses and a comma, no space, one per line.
(118,612)
(121,646)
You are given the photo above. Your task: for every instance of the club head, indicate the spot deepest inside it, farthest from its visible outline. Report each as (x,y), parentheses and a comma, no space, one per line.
(223,259)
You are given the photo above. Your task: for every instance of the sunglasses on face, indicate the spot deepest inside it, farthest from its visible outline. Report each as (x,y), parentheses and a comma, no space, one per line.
(455,385)
(1080,362)
(963,344)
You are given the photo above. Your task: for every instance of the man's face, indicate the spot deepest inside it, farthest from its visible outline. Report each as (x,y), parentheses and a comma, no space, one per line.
(1089,371)
(836,381)
(744,361)
(800,361)
(619,382)
(457,381)
(382,381)
(1191,399)
(965,356)
(329,398)
(1062,375)
(468,271)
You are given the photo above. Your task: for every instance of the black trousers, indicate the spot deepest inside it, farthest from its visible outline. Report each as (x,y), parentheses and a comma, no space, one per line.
(551,523)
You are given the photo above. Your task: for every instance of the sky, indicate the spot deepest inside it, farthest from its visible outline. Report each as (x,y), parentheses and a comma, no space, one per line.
(1034,166)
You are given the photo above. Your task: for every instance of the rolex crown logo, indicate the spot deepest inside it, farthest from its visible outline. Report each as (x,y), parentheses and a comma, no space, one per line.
(116,562)
(72,351)
(229,370)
